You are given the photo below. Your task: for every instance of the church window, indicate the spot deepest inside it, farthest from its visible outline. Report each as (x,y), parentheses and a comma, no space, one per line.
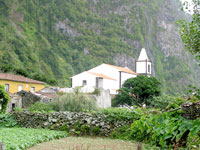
(84,82)
(149,68)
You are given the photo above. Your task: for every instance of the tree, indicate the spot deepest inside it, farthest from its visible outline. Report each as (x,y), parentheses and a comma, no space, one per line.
(190,31)
(137,91)
(4,98)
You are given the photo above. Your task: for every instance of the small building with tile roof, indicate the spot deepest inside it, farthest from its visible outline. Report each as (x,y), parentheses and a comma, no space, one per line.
(16,83)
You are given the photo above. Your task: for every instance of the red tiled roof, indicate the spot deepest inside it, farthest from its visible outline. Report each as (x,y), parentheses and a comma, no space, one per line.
(101,75)
(18,78)
(127,70)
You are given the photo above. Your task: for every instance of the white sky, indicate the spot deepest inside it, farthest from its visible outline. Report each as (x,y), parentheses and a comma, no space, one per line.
(190,6)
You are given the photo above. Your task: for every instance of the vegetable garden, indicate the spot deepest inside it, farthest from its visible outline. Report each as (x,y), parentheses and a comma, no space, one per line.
(21,138)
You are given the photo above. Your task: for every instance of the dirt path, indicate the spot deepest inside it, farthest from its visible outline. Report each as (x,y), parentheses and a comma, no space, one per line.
(83,143)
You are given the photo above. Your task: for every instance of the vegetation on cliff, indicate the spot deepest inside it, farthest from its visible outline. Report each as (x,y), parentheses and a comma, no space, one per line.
(53,40)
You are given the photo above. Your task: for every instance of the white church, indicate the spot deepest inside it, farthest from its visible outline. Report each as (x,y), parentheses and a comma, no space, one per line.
(110,77)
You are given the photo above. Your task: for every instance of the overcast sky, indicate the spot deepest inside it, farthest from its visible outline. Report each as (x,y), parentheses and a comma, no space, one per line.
(190,5)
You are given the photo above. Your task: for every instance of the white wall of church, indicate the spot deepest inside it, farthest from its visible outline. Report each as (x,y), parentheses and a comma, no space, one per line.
(110,84)
(106,70)
(141,67)
(78,80)
(125,76)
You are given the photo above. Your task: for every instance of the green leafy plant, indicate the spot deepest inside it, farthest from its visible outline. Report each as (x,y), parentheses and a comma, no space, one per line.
(40,107)
(167,102)
(4,99)
(193,140)
(18,109)
(7,120)
(167,130)
(123,114)
(85,129)
(21,138)
(189,31)
(121,133)
(161,101)
(96,131)
(194,93)
(176,103)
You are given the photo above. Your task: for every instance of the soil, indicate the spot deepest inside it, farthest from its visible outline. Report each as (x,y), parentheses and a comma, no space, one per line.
(86,143)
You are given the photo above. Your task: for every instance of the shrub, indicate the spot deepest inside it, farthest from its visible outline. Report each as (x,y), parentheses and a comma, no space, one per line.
(166,102)
(74,103)
(85,129)
(7,120)
(17,109)
(40,107)
(177,102)
(96,131)
(137,91)
(166,130)
(121,133)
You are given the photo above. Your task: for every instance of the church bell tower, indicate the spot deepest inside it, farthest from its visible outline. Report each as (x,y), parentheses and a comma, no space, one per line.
(143,64)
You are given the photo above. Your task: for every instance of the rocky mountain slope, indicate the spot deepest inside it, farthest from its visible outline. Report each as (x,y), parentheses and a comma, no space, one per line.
(56,39)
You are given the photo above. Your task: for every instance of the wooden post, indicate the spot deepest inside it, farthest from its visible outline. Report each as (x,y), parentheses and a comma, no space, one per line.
(139,146)
(2,146)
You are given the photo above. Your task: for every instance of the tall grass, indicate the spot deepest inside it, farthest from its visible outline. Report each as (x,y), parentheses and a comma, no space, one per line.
(74,103)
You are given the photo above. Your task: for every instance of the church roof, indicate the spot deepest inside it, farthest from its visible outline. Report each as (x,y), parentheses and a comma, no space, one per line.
(143,55)
(125,69)
(101,75)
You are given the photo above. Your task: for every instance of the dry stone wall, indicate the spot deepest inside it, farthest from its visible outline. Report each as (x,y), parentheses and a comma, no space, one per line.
(75,123)
(191,110)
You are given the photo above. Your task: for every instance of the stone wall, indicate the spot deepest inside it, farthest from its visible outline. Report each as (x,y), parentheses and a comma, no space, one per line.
(2,146)
(104,99)
(16,101)
(191,110)
(28,98)
(77,123)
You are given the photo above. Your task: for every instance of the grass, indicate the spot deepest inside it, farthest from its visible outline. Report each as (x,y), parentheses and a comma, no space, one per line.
(22,138)
(86,143)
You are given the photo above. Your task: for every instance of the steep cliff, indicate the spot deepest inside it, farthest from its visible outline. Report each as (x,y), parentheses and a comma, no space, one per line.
(57,39)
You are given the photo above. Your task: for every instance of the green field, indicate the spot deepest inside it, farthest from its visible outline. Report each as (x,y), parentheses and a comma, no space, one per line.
(21,138)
